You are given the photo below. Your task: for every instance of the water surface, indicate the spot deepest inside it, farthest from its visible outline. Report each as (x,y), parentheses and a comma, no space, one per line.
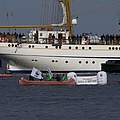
(59,102)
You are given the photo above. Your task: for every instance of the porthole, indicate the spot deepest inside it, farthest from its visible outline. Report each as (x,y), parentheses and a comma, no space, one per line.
(86,62)
(12,45)
(80,62)
(90,48)
(35,60)
(116,48)
(109,48)
(83,48)
(8,45)
(59,47)
(52,60)
(119,48)
(32,46)
(56,61)
(56,47)
(66,61)
(15,45)
(76,47)
(29,46)
(93,62)
(112,48)
(69,47)
(46,46)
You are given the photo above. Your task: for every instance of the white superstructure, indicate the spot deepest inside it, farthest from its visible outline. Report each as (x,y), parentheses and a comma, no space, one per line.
(44,36)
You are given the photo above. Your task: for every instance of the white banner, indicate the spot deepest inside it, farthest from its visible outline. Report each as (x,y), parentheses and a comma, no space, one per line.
(87,80)
(36,73)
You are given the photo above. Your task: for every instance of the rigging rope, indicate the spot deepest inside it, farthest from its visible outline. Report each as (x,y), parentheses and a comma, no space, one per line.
(43,12)
(51,13)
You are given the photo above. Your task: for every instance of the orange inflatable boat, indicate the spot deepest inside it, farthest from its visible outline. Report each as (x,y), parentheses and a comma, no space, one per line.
(23,81)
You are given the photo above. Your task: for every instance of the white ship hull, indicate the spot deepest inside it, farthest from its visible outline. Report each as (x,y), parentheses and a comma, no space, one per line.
(67,58)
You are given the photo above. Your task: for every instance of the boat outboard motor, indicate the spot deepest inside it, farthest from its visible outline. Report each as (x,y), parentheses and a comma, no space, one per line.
(72,75)
(102,78)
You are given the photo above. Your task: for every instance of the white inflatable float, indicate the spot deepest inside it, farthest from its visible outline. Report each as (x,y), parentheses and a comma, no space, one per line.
(100,78)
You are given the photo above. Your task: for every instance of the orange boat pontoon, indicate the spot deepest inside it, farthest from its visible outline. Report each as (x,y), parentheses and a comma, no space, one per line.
(6,75)
(23,81)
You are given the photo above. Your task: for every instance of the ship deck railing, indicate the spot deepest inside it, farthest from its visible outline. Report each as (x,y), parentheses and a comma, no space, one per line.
(15,38)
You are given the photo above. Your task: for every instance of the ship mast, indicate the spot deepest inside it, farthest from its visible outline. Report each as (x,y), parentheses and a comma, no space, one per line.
(67,22)
(68,15)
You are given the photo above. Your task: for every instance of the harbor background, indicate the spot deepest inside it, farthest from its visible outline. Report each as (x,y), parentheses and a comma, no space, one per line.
(60,102)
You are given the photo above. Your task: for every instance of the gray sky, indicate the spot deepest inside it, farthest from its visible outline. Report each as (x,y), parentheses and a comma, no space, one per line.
(96,16)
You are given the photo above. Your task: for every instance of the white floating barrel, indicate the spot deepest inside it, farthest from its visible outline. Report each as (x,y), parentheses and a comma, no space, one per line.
(102,77)
(72,75)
